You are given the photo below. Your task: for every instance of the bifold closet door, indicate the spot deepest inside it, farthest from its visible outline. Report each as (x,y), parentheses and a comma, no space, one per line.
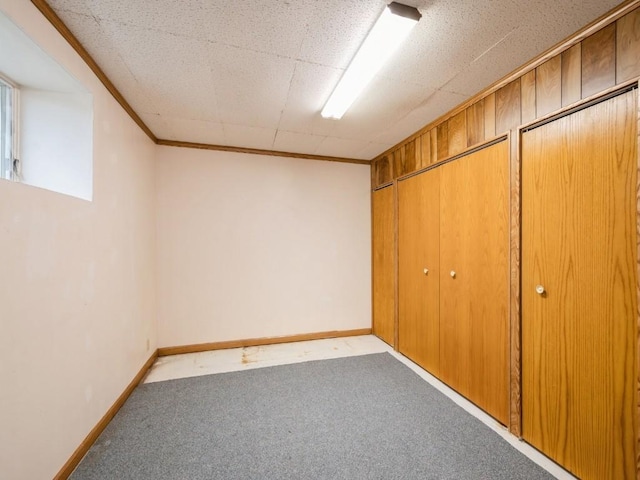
(579,289)
(383,264)
(474,278)
(418,269)
(455,328)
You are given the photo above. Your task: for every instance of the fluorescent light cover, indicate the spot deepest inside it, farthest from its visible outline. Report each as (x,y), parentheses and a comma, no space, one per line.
(384,38)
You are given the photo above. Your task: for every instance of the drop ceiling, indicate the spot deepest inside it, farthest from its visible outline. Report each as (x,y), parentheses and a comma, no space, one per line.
(256,73)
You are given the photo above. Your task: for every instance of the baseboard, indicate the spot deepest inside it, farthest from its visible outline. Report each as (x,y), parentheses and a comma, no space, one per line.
(86,444)
(254,342)
(93,435)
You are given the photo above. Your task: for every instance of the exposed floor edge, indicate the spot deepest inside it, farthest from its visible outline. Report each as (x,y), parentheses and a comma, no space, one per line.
(520,445)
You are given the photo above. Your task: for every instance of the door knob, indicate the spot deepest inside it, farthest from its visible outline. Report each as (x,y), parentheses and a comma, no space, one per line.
(426,271)
(453,274)
(540,290)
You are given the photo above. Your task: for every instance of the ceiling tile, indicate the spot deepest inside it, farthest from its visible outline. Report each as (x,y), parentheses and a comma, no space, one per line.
(432,55)
(250,137)
(383,103)
(277,27)
(337,29)
(296,142)
(251,87)
(156,123)
(373,149)
(186,18)
(476,76)
(342,147)
(196,131)
(76,6)
(107,57)
(178,82)
(261,66)
(309,89)
(439,103)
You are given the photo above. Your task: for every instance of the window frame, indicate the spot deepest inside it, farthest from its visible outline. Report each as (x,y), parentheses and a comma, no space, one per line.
(15,167)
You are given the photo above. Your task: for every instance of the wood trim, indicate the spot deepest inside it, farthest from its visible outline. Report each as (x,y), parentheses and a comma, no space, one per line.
(372,255)
(254,342)
(257,151)
(59,25)
(451,158)
(637,419)
(581,104)
(396,268)
(384,185)
(599,23)
(515,415)
(68,468)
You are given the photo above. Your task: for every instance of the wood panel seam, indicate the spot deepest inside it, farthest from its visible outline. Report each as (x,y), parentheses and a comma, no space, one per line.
(593,27)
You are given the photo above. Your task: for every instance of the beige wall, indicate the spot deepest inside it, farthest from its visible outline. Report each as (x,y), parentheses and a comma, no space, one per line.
(255,246)
(248,246)
(77,284)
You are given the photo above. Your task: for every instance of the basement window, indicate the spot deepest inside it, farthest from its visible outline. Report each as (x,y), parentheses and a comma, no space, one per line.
(46,139)
(9,165)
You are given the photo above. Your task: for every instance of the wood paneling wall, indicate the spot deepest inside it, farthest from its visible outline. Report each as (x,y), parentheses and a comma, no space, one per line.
(607,57)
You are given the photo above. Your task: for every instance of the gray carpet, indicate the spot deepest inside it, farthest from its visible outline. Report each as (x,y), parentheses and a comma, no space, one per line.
(367,417)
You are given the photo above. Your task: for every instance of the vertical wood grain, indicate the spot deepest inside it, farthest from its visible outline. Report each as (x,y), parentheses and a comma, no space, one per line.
(599,61)
(487,268)
(434,145)
(384,170)
(418,147)
(395,265)
(579,338)
(373,171)
(419,249)
(474,326)
(398,162)
(515,368)
(410,157)
(455,328)
(425,148)
(628,47)
(508,107)
(528,96)
(457,133)
(475,123)
(383,267)
(443,140)
(571,75)
(549,86)
(637,389)
(490,116)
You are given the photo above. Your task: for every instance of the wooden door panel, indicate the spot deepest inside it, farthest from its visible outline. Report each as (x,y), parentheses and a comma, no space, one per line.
(455,361)
(488,273)
(474,222)
(383,265)
(419,249)
(579,242)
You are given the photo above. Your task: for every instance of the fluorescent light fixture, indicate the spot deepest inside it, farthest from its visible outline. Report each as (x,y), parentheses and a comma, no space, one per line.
(390,30)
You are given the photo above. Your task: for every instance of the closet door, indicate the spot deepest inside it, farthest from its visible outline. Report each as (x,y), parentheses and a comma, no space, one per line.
(383,264)
(474,222)
(579,281)
(418,269)
(455,328)
(487,269)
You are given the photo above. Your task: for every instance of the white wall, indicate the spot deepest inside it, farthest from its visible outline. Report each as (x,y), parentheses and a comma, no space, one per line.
(77,284)
(254,246)
(56,141)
